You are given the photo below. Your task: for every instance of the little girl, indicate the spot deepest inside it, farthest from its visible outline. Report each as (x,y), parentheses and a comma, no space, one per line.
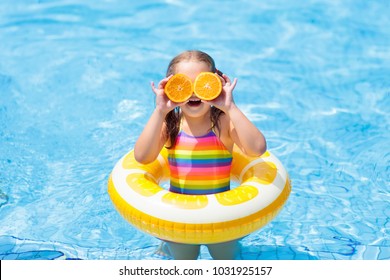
(208,129)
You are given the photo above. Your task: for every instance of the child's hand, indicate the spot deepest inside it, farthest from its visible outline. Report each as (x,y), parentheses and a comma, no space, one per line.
(163,103)
(225,100)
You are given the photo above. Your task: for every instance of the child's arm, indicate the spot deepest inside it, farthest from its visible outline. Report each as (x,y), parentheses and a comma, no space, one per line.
(245,134)
(153,137)
(242,131)
(151,140)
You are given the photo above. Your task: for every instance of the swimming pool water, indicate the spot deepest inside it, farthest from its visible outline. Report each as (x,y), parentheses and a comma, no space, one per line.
(74,96)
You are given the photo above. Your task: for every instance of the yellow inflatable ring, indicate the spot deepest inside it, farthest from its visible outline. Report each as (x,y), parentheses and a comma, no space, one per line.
(199,219)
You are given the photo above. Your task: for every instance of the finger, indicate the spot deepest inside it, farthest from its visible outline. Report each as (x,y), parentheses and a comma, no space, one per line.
(234,83)
(163,82)
(222,80)
(226,78)
(166,79)
(153,87)
(220,76)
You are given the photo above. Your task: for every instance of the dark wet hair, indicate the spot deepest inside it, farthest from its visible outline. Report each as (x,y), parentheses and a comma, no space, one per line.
(173,118)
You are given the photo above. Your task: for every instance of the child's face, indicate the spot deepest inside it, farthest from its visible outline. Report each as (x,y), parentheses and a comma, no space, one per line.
(194,107)
(192,68)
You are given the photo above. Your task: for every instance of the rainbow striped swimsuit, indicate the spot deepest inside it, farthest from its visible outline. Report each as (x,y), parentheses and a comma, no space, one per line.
(199,165)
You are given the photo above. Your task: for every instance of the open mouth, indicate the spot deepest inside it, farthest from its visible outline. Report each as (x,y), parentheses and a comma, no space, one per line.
(194,102)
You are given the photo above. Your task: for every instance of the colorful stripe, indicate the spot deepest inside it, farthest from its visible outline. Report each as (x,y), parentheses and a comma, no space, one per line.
(199,165)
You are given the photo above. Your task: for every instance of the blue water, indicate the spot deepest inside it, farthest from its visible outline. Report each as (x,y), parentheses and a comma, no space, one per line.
(74,96)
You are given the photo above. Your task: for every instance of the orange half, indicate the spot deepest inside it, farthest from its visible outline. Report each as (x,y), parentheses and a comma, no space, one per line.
(178,88)
(207,86)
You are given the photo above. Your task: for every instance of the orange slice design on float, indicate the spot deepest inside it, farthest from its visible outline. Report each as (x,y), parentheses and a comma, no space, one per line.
(207,86)
(179,88)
